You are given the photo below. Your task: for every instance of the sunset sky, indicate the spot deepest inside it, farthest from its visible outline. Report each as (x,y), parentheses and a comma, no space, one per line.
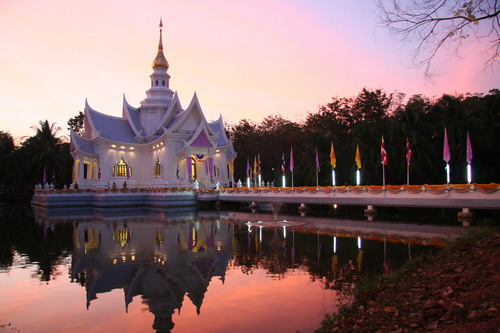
(243,59)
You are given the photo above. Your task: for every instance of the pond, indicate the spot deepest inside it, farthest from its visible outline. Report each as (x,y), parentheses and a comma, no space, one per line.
(138,270)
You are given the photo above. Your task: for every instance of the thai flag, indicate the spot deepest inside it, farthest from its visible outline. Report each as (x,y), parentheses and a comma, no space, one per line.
(283,163)
(383,152)
(408,152)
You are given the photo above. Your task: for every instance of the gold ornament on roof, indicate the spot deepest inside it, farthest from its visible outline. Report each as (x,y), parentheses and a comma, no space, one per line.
(160,60)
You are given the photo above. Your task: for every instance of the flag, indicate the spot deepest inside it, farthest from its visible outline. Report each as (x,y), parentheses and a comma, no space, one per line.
(99,173)
(333,159)
(248,168)
(446,148)
(128,171)
(408,152)
(232,166)
(255,171)
(177,171)
(358,157)
(283,164)
(383,153)
(291,159)
(259,166)
(469,149)
(317,160)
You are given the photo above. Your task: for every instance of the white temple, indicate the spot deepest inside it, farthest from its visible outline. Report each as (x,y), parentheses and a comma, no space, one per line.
(156,144)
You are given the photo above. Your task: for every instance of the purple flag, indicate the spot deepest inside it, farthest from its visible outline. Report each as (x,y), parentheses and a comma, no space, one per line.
(469,149)
(248,168)
(317,160)
(446,148)
(291,160)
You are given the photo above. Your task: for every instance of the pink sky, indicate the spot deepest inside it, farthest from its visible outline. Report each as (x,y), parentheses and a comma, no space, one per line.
(244,59)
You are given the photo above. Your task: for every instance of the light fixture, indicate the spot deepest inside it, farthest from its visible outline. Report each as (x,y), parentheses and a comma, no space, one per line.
(113,146)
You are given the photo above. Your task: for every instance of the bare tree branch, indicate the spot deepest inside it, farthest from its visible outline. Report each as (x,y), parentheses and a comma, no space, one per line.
(442,24)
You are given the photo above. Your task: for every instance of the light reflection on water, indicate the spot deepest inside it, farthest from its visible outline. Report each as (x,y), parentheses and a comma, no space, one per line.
(155,270)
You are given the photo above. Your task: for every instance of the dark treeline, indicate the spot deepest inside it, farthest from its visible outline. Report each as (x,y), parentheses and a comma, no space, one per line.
(23,166)
(363,120)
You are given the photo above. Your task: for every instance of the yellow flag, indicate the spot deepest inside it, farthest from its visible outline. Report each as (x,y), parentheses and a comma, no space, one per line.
(358,157)
(254,165)
(232,166)
(333,160)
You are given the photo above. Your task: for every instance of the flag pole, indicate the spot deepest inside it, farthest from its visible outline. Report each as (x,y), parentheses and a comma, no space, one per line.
(383,175)
(407,174)
(317,183)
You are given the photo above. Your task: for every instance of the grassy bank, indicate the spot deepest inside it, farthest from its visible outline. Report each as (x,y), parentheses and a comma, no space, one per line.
(454,290)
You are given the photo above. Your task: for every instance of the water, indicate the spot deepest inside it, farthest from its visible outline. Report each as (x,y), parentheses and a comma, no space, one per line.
(155,270)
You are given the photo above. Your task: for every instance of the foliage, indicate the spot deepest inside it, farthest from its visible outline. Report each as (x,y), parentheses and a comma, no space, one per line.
(362,120)
(42,153)
(76,124)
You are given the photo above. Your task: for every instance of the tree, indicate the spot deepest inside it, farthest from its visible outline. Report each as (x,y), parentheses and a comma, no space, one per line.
(76,123)
(438,24)
(44,151)
(8,166)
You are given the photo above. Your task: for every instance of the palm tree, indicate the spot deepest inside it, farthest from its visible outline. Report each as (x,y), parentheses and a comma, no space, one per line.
(44,152)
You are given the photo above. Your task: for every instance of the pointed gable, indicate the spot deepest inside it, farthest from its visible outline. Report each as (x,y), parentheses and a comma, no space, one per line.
(202,137)
(173,110)
(131,114)
(189,119)
(202,141)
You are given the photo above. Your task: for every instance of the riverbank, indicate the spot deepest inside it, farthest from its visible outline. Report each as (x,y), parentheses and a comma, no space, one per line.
(455,290)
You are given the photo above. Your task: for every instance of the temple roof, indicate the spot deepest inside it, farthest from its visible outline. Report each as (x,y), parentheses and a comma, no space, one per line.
(109,127)
(82,144)
(132,114)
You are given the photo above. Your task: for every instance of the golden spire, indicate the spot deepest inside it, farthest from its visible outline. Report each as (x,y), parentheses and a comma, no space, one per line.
(160,60)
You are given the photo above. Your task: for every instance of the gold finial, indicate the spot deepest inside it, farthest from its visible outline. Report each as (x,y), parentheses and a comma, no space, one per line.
(160,60)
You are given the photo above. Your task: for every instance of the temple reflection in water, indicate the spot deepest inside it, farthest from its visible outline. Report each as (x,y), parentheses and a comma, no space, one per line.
(166,258)
(162,261)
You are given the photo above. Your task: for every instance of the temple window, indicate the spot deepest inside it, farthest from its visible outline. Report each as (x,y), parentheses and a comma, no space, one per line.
(156,83)
(121,169)
(163,83)
(157,169)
